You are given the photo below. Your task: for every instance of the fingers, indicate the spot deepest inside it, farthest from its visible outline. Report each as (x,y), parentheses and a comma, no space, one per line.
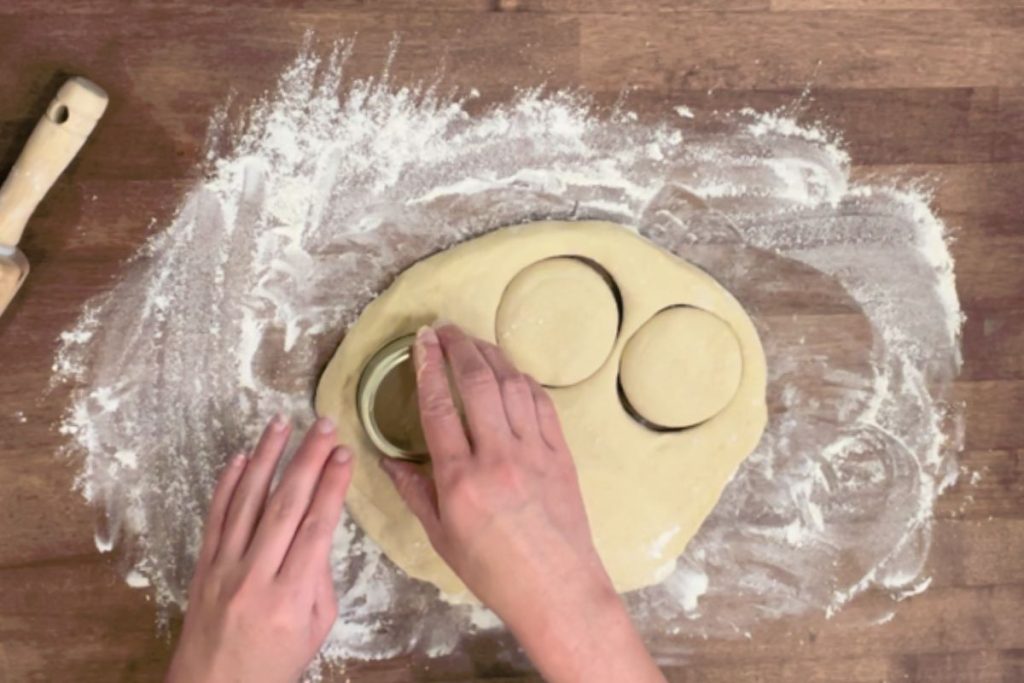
(226,485)
(476,383)
(251,493)
(516,393)
(325,603)
(500,365)
(417,489)
(311,546)
(547,417)
(288,504)
(442,426)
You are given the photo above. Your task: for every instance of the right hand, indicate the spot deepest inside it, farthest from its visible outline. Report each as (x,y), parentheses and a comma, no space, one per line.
(504,506)
(504,509)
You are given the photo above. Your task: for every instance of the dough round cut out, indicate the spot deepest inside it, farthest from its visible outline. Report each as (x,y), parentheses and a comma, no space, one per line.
(557,321)
(681,367)
(646,492)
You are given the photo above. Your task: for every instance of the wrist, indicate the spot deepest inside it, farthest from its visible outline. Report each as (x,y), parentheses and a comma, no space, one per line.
(572,608)
(192,664)
(553,581)
(584,634)
(580,612)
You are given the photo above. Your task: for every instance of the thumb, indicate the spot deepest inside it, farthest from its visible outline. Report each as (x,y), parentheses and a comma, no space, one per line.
(417,489)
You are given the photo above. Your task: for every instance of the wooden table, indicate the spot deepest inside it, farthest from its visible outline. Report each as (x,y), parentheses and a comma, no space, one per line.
(920,87)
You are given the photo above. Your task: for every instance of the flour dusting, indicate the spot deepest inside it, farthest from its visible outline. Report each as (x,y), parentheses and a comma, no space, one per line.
(330,187)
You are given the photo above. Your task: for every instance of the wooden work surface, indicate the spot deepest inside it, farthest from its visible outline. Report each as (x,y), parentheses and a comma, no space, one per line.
(920,87)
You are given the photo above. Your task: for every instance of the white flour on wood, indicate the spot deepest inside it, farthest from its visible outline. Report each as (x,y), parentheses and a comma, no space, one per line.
(332,187)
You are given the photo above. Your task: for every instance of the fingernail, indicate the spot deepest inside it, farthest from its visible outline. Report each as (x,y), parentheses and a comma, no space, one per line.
(442,322)
(385,464)
(426,335)
(341,455)
(279,422)
(237,460)
(324,426)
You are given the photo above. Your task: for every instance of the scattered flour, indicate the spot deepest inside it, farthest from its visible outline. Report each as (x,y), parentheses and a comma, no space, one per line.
(333,186)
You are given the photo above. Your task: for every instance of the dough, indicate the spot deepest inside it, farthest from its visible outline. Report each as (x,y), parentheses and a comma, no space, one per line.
(646,492)
(557,321)
(681,367)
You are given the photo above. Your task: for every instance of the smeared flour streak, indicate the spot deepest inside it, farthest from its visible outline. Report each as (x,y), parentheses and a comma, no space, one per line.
(332,187)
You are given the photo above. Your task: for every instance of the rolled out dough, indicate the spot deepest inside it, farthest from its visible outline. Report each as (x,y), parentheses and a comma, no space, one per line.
(557,321)
(681,367)
(646,492)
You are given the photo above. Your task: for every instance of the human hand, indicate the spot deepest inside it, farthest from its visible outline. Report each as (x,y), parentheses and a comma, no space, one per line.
(504,506)
(262,600)
(504,509)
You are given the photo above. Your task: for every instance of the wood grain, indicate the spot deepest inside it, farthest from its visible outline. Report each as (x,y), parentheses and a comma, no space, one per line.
(930,89)
(869,49)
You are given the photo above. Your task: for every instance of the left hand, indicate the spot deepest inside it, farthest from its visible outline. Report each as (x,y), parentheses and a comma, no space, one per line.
(262,600)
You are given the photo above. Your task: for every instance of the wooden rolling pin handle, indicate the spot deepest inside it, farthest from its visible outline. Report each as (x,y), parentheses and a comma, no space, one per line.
(57,137)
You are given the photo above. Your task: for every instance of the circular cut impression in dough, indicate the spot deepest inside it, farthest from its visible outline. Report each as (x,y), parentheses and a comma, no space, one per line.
(646,491)
(681,367)
(557,321)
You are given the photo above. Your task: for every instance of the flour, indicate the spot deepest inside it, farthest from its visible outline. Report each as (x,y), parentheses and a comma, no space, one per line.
(329,188)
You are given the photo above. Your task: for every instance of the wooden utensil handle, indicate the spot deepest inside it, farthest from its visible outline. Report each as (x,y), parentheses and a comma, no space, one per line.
(57,137)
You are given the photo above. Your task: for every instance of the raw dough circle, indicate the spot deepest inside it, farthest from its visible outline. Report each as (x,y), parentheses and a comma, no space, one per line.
(557,321)
(646,492)
(681,368)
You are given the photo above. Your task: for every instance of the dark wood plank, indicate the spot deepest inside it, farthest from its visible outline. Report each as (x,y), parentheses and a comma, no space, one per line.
(974,197)
(170,76)
(990,488)
(919,49)
(412,6)
(903,5)
(993,411)
(988,269)
(943,127)
(992,340)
